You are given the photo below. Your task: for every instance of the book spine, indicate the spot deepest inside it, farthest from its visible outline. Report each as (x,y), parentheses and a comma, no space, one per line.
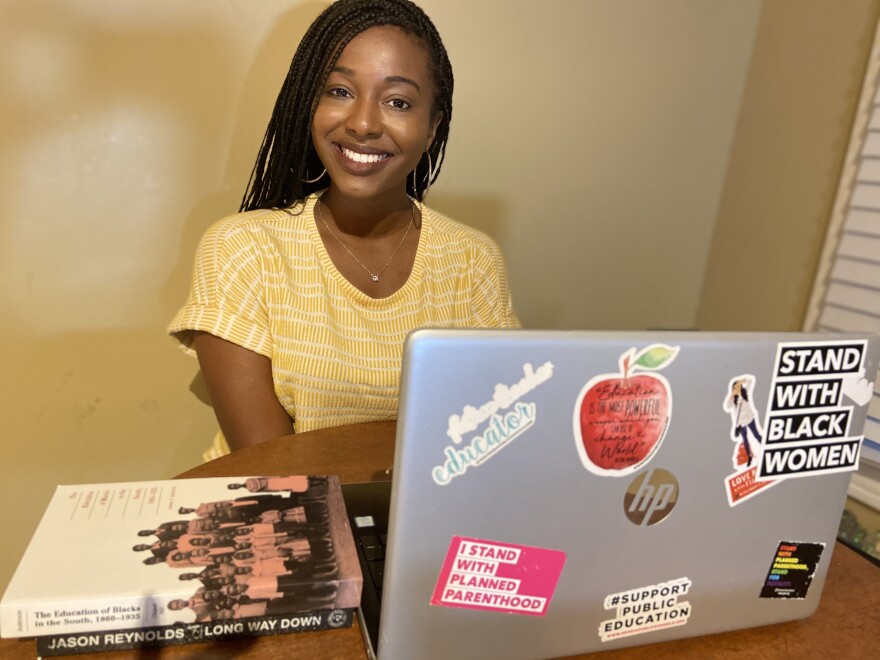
(132,612)
(190,633)
(66,617)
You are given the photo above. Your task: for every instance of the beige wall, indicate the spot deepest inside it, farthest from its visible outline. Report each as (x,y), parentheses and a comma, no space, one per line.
(792,132)
(592,142)
(614,148)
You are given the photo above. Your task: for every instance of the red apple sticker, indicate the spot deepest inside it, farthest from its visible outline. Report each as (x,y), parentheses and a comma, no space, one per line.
(620,419)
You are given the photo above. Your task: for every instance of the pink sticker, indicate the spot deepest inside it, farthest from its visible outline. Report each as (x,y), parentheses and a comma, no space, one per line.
(500,577)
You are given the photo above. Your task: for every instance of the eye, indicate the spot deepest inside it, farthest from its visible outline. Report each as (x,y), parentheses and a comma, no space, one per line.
(339,92)
(399,104)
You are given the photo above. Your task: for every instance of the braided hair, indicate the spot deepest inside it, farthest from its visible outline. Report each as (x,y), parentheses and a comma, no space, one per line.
(287,156)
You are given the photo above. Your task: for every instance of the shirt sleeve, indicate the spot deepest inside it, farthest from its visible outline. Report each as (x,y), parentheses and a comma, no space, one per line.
(492,304)
(227,294)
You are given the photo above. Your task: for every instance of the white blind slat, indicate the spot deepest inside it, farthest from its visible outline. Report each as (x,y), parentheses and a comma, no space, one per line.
(864,221)
(866,195)
(854,297)
(857,246)
(862,273)
(872,144)
(846,320)
(869,168)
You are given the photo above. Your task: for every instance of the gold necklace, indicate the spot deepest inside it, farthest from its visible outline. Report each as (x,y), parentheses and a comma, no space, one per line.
(373,276)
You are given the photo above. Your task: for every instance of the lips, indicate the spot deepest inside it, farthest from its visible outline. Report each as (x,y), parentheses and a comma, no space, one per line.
(362,157)
(360,161)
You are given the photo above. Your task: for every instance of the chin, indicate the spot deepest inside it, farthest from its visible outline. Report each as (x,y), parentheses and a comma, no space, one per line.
(363,191)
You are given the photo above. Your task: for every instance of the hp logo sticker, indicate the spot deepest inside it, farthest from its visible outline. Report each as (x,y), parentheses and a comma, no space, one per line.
(650,497)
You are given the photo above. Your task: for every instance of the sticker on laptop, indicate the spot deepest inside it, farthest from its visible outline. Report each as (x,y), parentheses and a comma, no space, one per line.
(808,421)
(646,609)
(650,497)
(620,419)
(499,422)
(792,570)
(747,434)
(498,577)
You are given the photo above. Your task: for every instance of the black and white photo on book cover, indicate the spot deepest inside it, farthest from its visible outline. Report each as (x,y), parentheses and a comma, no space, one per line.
(146,554)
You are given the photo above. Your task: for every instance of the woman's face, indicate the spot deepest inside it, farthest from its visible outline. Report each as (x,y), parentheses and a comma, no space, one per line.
(374,118)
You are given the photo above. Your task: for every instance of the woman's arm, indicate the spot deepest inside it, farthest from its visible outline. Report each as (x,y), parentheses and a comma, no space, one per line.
(242,393)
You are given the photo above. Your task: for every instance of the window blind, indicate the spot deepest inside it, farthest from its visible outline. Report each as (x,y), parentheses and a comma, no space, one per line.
(846,292)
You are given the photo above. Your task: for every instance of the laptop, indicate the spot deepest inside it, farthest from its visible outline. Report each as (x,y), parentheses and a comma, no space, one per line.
(556,492)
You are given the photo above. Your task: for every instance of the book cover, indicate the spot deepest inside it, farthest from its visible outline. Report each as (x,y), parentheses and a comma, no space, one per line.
(188,633)
(167,554)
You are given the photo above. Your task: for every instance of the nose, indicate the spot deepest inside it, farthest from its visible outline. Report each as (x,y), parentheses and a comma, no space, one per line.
(365,120)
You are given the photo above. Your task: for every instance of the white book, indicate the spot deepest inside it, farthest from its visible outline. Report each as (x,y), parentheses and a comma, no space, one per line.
(109,557)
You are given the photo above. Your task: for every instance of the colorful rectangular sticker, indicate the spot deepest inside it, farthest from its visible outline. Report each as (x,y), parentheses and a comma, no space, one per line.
(500,577)
(792,570)
(742,485)
(646,609)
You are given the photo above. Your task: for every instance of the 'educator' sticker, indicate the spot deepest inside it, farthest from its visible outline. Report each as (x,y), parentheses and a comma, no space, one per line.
(501,577)
(792,570)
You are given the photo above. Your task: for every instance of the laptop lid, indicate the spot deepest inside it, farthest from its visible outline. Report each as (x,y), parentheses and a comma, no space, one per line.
(563,492)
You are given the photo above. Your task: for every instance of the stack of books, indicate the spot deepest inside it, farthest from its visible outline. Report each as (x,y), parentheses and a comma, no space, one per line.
(144,564)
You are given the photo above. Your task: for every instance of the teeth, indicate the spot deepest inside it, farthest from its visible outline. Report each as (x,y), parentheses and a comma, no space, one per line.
(362,158)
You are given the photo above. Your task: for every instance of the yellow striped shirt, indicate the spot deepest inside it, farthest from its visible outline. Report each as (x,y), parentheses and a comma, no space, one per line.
(263,280)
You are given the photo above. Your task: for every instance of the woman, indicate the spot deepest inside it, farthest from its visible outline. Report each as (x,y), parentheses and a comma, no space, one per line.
(301,302)
(743,417)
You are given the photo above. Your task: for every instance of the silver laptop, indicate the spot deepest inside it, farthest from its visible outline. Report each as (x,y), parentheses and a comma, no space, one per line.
(557,493)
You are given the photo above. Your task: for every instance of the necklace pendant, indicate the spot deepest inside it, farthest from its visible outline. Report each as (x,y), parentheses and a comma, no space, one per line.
(375,278)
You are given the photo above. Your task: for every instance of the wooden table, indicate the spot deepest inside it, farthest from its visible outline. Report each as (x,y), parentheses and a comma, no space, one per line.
(846,625)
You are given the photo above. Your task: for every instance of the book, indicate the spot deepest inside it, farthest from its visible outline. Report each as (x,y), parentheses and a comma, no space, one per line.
(178,561)
(188,633)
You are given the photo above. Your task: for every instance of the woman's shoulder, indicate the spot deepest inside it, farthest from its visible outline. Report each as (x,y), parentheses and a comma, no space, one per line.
(444,229)
(258,221)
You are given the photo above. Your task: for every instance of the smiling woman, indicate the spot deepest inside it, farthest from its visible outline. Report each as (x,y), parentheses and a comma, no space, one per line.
(374,120)
(376,116)
(300,303)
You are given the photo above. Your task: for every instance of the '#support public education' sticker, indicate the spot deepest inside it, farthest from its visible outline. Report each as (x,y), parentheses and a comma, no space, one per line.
(792,570)
(501,577)
(646,609)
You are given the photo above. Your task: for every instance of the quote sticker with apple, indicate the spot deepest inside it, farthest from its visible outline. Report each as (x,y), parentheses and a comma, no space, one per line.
(620,419)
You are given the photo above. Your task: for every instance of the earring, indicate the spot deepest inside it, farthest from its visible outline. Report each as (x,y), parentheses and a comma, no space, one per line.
(317,178)
(428,176)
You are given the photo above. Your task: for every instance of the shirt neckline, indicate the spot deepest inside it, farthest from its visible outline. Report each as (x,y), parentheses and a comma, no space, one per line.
(350,289)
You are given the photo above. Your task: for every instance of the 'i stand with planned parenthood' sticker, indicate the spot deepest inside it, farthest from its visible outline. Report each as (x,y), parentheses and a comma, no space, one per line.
(501,577)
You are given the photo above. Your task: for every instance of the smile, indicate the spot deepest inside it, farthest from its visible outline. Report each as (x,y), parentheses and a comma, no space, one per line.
(362,158)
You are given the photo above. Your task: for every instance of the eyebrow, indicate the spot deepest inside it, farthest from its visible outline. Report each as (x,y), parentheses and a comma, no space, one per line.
(388,79)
